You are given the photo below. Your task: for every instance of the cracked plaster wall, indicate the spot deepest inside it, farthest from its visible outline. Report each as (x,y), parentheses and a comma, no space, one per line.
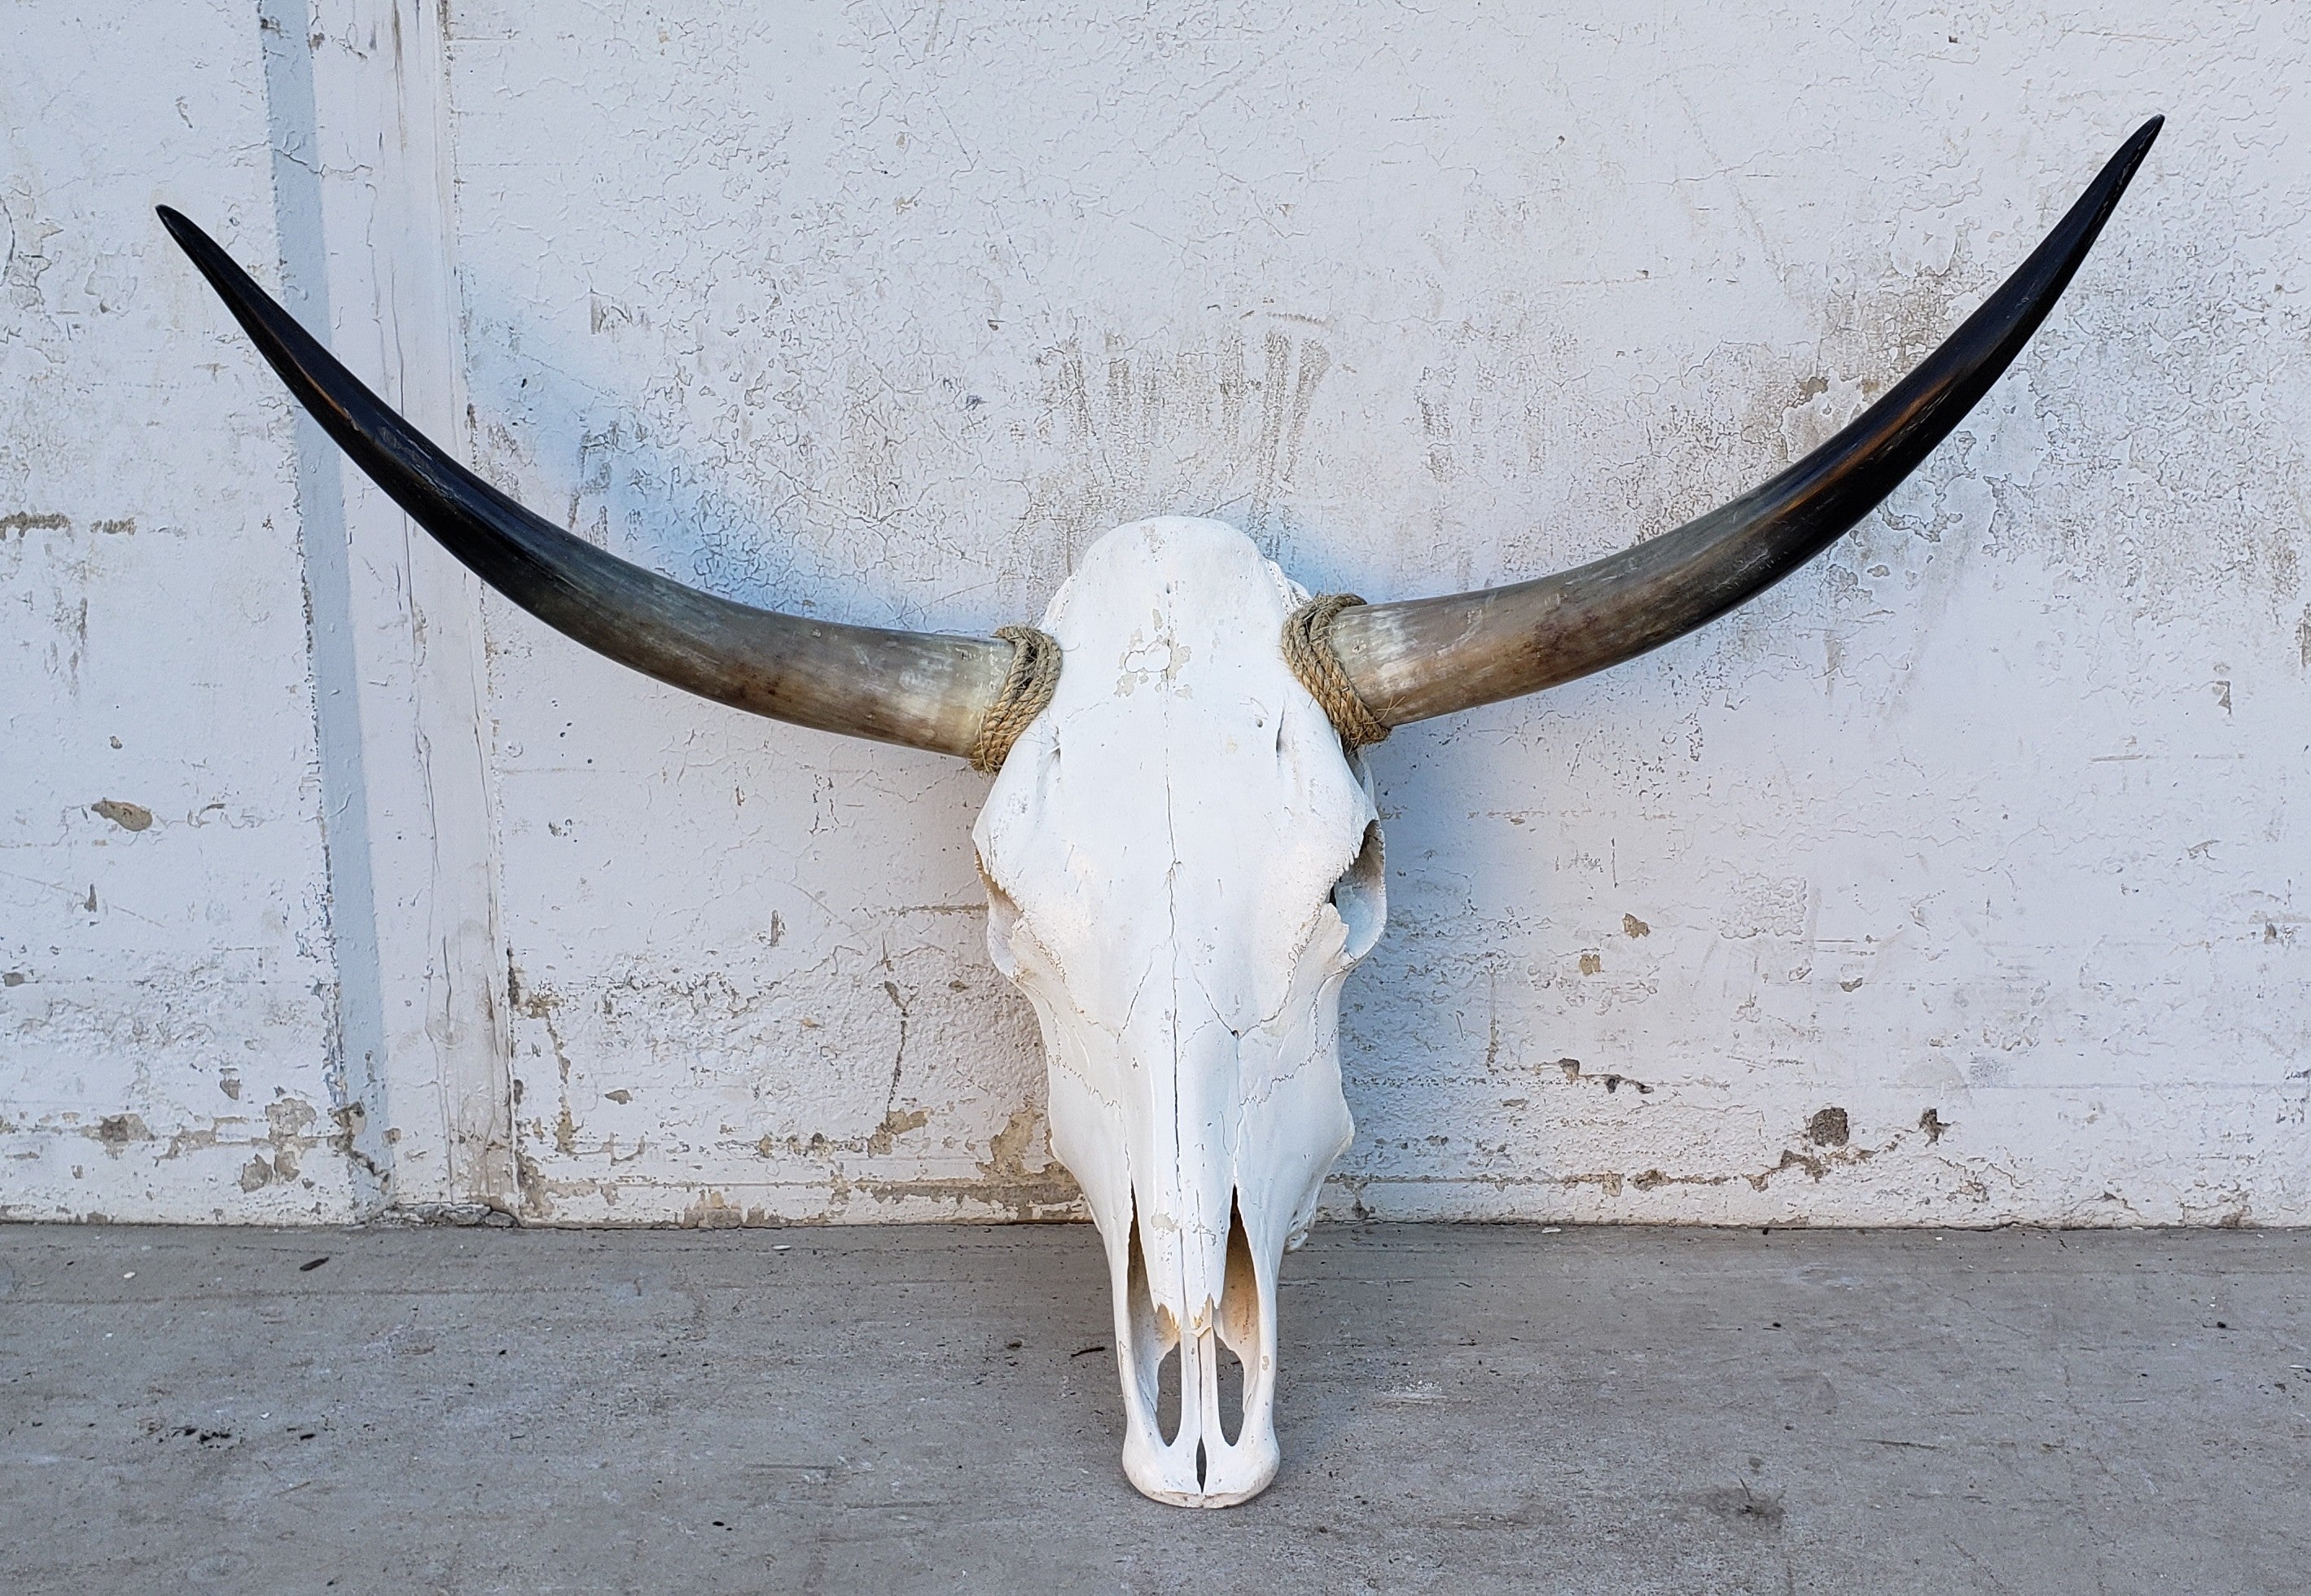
(168,1012)
(1956,881)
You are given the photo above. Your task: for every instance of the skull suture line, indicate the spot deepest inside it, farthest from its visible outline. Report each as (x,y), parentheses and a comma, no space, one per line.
(1182,850)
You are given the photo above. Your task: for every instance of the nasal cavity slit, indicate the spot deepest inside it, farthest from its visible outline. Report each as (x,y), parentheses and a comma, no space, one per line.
(1199,1465)
(1239,1327)
(1231,1394)
(1167,1394)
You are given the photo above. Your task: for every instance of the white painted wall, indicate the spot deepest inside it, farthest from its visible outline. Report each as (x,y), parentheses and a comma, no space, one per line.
(169,1018)
(1985,833)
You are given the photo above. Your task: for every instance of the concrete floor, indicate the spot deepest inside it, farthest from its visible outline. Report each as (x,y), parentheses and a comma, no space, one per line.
(897,1409)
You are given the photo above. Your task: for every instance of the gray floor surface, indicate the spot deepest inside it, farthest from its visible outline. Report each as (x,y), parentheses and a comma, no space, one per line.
(1463,1408)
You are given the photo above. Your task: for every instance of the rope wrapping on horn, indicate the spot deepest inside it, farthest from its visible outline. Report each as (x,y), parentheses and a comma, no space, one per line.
(1308,651)
(1027,690)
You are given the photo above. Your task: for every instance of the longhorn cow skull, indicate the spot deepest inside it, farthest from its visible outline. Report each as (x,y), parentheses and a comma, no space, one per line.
(1181,849)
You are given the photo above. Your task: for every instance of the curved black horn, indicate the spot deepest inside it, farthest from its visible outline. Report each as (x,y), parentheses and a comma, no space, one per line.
(1429,657)
(918,689)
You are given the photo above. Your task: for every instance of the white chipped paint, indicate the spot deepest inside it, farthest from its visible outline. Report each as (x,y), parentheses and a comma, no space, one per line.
(1995,814)
(166,986)
(1181,868)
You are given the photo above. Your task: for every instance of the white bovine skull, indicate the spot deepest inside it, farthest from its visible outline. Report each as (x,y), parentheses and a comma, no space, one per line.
(1180,862)
(1181,867)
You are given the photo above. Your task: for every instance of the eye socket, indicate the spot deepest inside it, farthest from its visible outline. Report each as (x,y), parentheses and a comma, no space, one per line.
(1002,915)
(1361,895)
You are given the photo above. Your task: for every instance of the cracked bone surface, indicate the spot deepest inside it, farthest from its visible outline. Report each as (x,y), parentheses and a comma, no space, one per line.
(1181,868)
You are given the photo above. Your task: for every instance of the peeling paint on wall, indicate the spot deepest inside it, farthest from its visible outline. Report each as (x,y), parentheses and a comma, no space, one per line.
(921,308)
(1954,882)
(163,922)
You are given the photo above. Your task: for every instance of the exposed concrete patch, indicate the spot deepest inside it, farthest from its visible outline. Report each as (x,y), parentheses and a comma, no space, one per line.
(1829,1128)
(128,818)
(116,1131)
(1046,1192)
(896,1124)
(1571,1069)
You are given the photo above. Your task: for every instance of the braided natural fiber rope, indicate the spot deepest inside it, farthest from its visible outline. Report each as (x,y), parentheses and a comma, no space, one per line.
(1308,651)
(1026,694)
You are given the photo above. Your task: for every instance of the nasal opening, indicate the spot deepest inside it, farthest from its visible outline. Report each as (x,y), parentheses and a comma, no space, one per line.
(1168,1406)
(1239,1327)
(1152,1327)
(1201,1431)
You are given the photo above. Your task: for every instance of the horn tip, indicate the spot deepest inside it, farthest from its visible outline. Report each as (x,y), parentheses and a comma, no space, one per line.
(2119,170)
(180,226)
